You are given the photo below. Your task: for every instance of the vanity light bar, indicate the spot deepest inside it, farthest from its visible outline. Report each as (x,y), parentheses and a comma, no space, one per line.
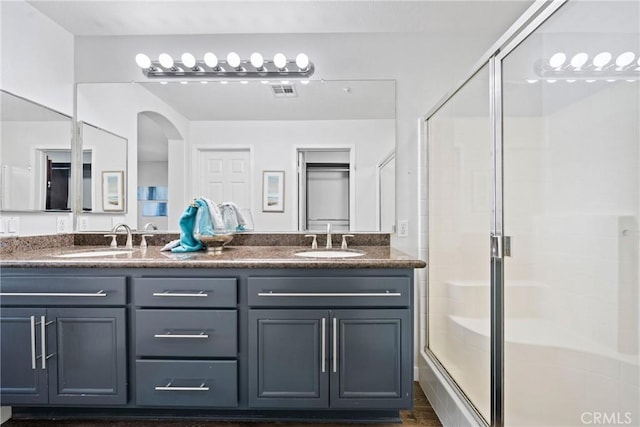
(232,68)
(582,66)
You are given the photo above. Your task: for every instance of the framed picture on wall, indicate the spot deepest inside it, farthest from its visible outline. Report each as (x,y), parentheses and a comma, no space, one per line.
(113,191)
(272,191)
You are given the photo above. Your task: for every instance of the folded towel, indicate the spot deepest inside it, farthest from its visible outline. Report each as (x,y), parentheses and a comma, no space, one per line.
(214,212)
(188,243)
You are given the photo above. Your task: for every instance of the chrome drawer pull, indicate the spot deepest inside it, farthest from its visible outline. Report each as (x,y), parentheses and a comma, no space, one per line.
(100,293)
(177,294)
(170,335)
(331,294)
(335,344)
(168,387)
(33,342)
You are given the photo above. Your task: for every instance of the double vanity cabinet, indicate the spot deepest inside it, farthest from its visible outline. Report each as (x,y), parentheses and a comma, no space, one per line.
(233,343)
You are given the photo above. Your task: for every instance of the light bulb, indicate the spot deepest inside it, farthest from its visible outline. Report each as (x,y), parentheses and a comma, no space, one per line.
(204,82)
(188,60)
(184,83)
(578,60)
(304,82)
(602,59)
(285,82)
(211,60)
(589,81)
(165,60)
(625,59)
(532,81)
(264,82)
(280,61)
(256,60)
(551,81)
(302,61)
(244,82)
(233,59)
(223,82)
(143,60)
(571,81)
(557,60)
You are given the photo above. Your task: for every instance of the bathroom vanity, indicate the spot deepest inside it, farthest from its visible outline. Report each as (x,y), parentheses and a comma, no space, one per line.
(250,333)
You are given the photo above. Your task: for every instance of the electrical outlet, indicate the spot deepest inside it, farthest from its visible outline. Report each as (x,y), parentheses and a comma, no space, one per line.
(83,223)
(403,228)
(13,224)
(61,224)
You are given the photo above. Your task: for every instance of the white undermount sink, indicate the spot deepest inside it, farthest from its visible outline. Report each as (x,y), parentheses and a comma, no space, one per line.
(329,254)
(95,253)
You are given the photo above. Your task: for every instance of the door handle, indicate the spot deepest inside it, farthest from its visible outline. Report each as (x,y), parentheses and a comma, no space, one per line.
(324,345)
(335,345)
(43,333)
(33,342)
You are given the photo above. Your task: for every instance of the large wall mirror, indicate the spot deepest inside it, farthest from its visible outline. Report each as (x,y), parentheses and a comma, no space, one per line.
(35,153)
(228,141)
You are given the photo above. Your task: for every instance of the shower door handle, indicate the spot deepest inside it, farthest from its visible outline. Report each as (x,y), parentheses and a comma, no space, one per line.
(500,246)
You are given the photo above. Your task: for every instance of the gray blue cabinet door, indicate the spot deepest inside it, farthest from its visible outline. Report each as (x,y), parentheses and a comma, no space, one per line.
(288,359)
(371,359)
(23,379)
(87,356)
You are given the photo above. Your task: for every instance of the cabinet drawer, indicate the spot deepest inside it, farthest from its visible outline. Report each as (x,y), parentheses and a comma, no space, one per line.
(357,291)
(187,383)
(184,292)
(62,290)
(187,333)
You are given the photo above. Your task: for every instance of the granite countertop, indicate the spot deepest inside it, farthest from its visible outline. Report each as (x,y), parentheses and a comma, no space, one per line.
(231,257)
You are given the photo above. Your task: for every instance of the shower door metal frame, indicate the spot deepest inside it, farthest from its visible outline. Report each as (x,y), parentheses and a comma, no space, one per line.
(528,23)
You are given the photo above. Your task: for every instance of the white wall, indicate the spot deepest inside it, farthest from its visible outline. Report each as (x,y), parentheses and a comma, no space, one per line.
(274,143)
(37,63)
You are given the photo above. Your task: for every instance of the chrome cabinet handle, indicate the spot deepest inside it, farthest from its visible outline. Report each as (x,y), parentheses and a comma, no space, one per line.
(170,335)
(177,294)
(169,387)
(335,345)
(324,345)
(43,348)
(100,293)
(329,294)
(33,342)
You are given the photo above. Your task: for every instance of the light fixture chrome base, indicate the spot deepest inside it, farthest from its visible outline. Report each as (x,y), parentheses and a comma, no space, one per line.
(224,71)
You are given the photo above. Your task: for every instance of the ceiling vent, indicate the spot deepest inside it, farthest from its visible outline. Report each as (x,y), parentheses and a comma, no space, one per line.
(284,91)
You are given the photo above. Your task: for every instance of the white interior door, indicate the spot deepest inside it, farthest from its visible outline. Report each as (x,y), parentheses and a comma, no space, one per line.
(224,176)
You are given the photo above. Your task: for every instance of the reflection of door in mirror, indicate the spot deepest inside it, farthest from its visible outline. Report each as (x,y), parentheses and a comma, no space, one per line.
(324,189)
(58,180)
(35,148)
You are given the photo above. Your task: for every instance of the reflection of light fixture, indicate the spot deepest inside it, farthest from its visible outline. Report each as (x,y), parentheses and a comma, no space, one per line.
(602,66)
(234,68)
(557,60)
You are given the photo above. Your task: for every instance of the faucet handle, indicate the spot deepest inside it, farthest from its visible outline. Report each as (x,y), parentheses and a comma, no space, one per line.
(114,243)
(314,244)
(143,242)
(344,240)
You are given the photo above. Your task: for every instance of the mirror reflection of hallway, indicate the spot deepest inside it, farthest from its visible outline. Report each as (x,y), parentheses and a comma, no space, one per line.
(324,189)
(154,133)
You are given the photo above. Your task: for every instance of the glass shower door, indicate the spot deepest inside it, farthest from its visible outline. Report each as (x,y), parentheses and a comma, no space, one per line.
(571,202)
(460,178)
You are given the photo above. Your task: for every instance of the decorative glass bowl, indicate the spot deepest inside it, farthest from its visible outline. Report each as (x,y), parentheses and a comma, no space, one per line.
(215,243)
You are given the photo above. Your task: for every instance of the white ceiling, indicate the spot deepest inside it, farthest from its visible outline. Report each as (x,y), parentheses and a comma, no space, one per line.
(152,17)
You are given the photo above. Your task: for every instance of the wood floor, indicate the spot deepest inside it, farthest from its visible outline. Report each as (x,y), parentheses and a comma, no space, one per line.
(421,415)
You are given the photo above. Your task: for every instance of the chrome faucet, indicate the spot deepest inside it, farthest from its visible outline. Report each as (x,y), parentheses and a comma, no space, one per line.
(129,244)
(151,226)
(329,245)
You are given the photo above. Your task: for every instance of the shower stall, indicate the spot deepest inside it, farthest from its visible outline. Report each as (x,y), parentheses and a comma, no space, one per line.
(530,314)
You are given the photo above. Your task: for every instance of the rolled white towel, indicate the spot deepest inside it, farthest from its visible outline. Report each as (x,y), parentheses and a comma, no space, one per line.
(216,216)
(241,219)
